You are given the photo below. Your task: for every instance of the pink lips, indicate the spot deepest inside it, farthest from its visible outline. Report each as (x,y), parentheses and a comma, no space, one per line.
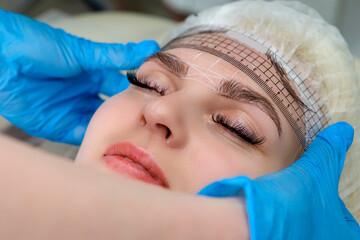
(132,161)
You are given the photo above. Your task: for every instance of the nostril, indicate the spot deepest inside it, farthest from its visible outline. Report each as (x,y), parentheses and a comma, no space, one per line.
(166,131)
(142,121)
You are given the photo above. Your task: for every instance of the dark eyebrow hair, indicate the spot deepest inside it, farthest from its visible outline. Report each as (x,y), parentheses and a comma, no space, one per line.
(284,78)
(234,90)
(172,63)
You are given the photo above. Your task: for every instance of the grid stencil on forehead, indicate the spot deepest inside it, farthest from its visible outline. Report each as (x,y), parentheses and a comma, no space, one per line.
(269,71)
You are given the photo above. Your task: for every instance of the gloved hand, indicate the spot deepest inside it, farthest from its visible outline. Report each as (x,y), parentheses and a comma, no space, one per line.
(50,80)
(301,201)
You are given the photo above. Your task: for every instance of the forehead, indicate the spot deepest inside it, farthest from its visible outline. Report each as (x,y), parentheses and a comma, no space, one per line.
(205,62)
(212,69)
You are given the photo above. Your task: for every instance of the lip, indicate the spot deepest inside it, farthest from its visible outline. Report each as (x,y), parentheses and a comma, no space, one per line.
(127,159)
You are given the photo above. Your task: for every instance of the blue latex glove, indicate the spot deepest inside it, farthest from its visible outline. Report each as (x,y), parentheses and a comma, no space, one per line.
(50,80)
(301,201)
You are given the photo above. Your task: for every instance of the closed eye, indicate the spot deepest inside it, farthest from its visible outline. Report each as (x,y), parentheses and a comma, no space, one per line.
(239,129)
(143,82)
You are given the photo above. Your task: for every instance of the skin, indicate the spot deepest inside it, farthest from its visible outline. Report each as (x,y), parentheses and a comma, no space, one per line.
(198,150)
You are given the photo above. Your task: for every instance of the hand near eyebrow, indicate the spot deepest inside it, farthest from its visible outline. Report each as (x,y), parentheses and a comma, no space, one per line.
(301,201)
(50,80)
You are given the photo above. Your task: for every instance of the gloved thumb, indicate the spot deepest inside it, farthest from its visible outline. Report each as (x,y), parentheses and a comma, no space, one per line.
(338,135)
(326,154)
(113,82)
(113,56)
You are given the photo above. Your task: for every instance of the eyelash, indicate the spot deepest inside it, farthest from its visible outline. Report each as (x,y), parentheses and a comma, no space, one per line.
(143,82)
(238,129)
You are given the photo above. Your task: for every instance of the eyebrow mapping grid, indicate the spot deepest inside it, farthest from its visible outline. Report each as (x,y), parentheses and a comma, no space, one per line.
(306,120)
(206,73)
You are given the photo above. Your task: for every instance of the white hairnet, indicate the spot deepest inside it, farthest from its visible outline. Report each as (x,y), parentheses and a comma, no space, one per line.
(316,48)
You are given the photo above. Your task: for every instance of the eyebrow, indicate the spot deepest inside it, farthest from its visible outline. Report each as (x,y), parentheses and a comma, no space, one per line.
(228,88)
(236,91)
(172,63)
(284,78)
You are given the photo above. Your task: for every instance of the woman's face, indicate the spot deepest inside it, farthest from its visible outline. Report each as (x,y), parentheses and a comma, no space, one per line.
(198,117)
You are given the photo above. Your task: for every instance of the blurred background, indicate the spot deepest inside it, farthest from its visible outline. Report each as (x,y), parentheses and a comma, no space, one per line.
(345,14)
(91,19)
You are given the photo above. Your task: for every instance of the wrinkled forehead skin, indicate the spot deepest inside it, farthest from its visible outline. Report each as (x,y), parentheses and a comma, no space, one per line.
(260,66)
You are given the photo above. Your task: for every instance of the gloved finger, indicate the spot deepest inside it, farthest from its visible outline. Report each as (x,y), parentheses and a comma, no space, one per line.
(350,220)
(331,143)
(113,82)
(325,156)
(41,51)
(94,56)
(341,133)
(226,187)
(68,122)
(76,130)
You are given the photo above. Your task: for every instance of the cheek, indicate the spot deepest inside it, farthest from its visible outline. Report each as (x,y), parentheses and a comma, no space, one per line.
(115,112)
(113,119)
(214,158)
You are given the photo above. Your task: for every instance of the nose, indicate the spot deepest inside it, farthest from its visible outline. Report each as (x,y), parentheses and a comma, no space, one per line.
(164,118)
